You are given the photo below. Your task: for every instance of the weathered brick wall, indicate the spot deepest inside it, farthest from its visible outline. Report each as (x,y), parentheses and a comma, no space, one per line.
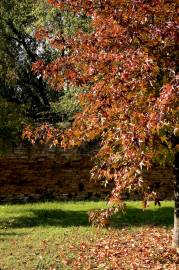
(32,173)
(38,172)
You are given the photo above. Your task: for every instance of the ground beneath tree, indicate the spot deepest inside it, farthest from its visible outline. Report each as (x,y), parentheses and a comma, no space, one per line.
(136,249)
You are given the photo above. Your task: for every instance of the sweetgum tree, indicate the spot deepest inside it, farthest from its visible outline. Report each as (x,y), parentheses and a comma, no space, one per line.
(126,65)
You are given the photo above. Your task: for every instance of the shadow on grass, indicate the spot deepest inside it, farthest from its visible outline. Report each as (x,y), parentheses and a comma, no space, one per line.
(7,235)
(46,217)
(138,217)
(133,217)
(10,234)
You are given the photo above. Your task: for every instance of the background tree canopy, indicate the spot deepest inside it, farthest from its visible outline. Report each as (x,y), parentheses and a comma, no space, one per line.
(19,48)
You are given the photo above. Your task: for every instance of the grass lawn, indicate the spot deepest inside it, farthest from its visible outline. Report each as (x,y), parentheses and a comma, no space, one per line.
(56,235)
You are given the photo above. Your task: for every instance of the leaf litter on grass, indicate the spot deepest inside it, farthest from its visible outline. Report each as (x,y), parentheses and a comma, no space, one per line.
(140,249)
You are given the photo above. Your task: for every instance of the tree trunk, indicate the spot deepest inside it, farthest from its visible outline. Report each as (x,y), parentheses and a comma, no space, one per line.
(176,192)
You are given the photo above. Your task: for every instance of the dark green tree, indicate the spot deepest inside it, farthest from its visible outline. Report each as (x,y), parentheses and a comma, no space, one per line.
(18,50)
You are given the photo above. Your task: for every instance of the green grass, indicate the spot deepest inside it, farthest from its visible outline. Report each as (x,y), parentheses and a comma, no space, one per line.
(32,236)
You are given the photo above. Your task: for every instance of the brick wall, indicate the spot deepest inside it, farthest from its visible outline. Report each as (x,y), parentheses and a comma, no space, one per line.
(32,173)
(29,173)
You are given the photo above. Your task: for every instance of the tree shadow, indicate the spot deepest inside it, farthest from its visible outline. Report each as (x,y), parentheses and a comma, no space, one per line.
(6,235)
(162,216)
(47,217)
(132,217)
(10,233)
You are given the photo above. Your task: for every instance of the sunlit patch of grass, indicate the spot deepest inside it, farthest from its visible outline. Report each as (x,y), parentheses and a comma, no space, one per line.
(34,236)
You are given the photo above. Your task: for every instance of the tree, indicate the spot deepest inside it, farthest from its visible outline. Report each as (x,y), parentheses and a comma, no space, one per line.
(127,65)
(19,87)
(18,49)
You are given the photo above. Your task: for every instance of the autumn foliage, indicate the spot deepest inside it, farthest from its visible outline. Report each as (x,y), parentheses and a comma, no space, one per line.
(126,67)
(140,249)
